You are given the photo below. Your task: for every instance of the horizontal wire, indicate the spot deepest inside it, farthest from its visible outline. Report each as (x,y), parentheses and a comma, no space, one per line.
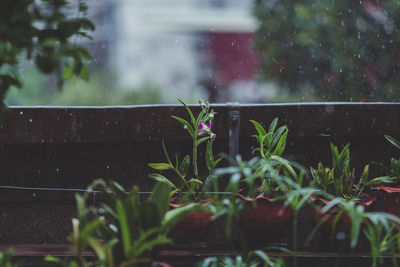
(79,189)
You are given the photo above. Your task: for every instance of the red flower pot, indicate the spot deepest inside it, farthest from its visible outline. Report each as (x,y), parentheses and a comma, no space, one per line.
(343,223)
(391,199)
(194,227)
(267,220)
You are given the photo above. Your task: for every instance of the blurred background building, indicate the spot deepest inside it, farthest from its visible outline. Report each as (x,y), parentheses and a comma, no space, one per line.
(157,51)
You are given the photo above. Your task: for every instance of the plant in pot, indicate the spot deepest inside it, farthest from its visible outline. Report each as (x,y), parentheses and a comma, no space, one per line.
(338,182)
(187,184)
(251,259)
(390,181)
(123,230)
(264,181)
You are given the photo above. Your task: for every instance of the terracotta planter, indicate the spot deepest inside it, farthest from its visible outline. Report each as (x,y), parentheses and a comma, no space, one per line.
(194,227)
(343,223)
(391,199)
(267,220)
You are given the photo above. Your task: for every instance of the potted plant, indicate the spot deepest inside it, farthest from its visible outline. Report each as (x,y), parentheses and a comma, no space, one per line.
(390,181)
(250,259)
(265,180)
(187,184)
(123,230)
(337,182)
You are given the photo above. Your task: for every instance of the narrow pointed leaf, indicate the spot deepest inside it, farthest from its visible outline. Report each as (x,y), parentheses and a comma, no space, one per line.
(160,178)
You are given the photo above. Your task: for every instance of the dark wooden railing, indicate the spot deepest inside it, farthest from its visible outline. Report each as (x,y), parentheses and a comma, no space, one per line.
(47,152)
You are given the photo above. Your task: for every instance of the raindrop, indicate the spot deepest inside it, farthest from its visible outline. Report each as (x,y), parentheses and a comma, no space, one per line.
(108,166)
(57,169)
(21,112)
(358,35)
(34,194)
(30,120)
(340,236)
(185,127)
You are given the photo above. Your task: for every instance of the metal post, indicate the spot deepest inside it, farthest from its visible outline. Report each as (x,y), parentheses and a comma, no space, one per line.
(233,127)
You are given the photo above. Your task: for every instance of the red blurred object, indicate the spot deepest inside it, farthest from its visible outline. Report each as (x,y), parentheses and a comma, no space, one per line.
(343,222)
(391,199)
(268,220)
(233,56)
(194,227)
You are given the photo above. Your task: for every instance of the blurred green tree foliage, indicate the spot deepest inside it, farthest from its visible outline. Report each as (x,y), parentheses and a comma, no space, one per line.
(42,30)
(340,50)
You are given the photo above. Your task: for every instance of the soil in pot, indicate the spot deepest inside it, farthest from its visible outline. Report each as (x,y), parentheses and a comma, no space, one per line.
(265,219)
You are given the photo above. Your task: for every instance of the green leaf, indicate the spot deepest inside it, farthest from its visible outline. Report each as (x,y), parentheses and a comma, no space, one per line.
(209,157)
(259,128)
(161,166)
(393,141)
(273,124)
(190,113)
(186,124)
(124,226)
(160,178)
(280,147)
(193,180)
(150,216)
(174,216)
(184,167)
(166,152)
(202,140)
(161,196)
(382,180)
(84,73)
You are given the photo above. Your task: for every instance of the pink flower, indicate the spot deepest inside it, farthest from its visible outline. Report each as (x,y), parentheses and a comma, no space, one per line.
(205,129)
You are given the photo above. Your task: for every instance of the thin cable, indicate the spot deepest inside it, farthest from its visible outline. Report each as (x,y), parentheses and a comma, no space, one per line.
(79,189)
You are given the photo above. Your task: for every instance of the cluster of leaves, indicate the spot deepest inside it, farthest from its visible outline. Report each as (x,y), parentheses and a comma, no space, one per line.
(42,31)
(339,180)
(199,128)
(392,174)
(271,146)
(271,143)
(123,230)
(252,259)
(6,259)
(341,50)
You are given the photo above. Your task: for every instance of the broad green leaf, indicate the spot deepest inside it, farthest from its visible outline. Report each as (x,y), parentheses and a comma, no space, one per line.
(161,166)
(161,196)
(160,178)
(184,167)
(187,125)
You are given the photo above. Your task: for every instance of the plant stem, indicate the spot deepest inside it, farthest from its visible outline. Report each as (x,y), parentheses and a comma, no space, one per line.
(195,170)
(295,238)
(181,177)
